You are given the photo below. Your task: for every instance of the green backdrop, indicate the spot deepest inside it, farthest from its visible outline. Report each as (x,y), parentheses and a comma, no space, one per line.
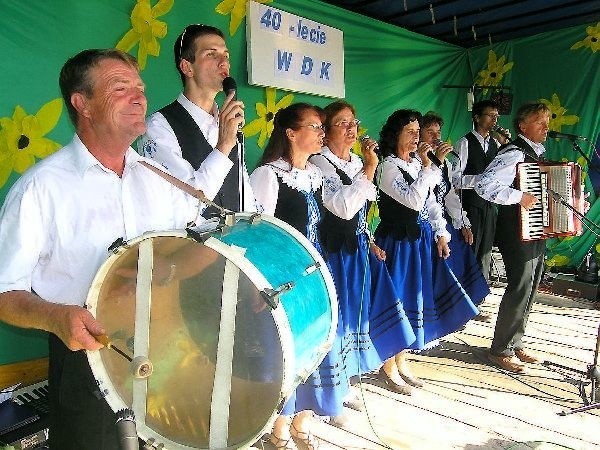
(386,68)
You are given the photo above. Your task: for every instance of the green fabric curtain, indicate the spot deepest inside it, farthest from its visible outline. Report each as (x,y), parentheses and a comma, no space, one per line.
(386,68)
(560,68)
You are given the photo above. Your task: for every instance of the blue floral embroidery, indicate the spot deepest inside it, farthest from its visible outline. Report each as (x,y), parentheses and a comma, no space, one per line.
(149,148)
(314,217)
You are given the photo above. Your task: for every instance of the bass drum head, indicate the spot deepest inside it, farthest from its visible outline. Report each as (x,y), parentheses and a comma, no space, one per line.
(180,332)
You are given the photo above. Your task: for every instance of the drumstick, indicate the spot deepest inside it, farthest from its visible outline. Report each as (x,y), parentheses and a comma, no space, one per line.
(104,340)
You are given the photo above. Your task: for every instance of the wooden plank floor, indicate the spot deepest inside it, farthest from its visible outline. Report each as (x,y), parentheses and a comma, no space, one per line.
(470,404)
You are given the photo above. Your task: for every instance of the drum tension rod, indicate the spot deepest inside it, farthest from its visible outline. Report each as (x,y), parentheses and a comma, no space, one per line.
(271,296)
(103,339)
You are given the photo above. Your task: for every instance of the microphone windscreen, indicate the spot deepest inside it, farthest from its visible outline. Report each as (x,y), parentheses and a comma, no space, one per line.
(229,85)
(126,430)
(552,133)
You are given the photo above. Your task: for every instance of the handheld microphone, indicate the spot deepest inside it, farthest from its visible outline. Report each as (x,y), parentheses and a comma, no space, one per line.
(501,132)
(128,439)
(571,137)
(364,137)
(229,86)
(437,142)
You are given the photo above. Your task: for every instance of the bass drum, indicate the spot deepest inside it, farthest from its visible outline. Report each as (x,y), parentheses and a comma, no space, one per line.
(209,333)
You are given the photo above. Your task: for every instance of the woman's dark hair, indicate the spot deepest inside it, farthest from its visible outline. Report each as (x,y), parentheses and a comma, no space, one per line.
(332,109)
(185,44)
(75,73)
(388,137)
(279,144)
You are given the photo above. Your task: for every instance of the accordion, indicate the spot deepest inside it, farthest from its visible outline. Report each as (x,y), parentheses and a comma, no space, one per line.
(552,183)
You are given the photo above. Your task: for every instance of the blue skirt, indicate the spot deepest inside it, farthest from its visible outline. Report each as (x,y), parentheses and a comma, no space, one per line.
(372,327)
(464,265)
(324,390)
(434,301)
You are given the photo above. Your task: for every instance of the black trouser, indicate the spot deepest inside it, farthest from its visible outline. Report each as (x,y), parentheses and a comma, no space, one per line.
(524,262)
(483,227)
(79,419)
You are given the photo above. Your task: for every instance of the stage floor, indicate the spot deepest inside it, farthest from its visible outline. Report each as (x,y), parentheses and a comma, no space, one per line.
(469,404)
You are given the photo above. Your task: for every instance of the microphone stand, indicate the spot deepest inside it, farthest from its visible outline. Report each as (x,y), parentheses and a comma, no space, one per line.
(577,148)
(241,165)
(593,372)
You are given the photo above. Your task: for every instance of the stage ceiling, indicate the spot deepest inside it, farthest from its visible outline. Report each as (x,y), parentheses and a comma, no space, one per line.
(471,23)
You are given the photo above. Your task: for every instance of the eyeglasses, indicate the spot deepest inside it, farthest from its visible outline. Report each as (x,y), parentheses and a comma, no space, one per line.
(181,40)
(347,124)
(314,126)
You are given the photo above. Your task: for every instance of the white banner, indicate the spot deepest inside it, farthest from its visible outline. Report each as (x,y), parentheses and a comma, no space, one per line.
(293,53)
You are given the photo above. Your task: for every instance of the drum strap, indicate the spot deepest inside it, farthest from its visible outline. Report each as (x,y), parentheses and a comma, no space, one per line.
(187,188)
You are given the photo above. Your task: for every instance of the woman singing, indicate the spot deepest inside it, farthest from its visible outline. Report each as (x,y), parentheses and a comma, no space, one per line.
(413,234)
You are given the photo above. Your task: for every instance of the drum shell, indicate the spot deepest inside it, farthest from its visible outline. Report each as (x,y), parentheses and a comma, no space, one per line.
(184,350)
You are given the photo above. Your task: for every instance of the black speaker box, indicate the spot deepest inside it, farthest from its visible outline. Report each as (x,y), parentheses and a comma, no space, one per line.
(568,286)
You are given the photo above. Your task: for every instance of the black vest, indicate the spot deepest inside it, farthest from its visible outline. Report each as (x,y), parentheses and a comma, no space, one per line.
(195,148)
(397,220)
(441,189)
(292,206)
(337,233)
(477,161)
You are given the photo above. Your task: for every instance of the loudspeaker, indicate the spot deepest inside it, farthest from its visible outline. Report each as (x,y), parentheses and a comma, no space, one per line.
(568,286)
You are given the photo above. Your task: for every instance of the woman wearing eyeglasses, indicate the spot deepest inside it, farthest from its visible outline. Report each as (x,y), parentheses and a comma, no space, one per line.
(288,187)
(413,234)
(371,320)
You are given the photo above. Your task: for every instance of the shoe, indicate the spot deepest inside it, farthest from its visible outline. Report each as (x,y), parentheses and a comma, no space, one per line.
(339,421)
(403,389)
(355,402)
(527,357)
(409,378)
(482,317)
(282,444)
(413,381)
(307,440)
(507,363)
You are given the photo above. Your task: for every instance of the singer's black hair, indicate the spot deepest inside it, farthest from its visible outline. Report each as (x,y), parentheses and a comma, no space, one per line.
(75,74)
(480,106)
(430,118)
(185,44)
(527,110)
(286,118)
(388,137)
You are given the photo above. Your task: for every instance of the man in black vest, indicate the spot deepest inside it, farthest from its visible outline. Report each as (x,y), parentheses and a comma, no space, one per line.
(194,139)
(476,150)
(523,260)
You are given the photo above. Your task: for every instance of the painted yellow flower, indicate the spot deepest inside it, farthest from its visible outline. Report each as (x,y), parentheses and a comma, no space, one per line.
(22,138)
(266,113)
(237,8)
(145,29)
(357,148)
(494,72)
(558,261)
(592,41)
(558,116)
